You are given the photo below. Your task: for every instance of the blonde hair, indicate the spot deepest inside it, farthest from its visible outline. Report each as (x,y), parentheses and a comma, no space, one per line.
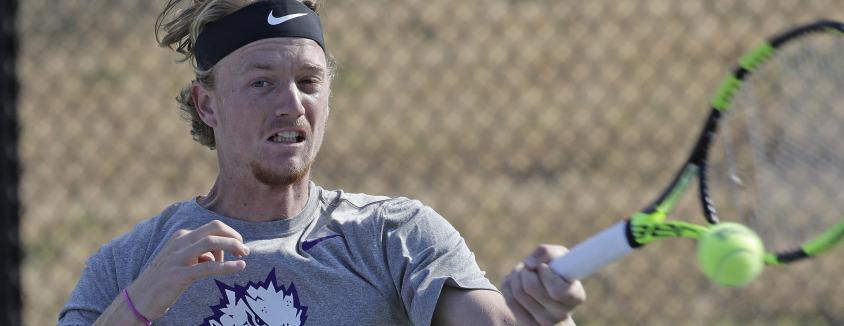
(177,28)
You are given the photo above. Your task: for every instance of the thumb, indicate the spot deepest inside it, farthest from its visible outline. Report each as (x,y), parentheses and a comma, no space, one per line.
(544,254)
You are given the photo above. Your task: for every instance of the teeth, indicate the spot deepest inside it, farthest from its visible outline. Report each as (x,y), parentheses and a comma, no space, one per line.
(286,137)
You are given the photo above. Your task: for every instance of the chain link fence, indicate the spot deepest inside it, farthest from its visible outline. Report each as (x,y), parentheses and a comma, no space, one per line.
(522,122)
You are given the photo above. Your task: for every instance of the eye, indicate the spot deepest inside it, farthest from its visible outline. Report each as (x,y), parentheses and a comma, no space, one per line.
(309,81)
(260,83)
(309,84)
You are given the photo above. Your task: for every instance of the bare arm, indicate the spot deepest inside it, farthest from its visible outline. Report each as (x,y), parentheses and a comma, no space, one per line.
(471,307)
(118,313)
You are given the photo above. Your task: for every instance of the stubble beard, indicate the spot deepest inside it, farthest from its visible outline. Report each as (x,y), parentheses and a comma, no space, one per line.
(280,176)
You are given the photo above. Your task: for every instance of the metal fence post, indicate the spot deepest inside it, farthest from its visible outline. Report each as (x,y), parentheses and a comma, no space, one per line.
(10,208)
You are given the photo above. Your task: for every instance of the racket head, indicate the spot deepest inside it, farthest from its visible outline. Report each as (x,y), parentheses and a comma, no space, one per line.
(776,162)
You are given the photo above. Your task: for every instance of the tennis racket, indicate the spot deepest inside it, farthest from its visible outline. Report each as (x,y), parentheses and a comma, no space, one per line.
(770,155)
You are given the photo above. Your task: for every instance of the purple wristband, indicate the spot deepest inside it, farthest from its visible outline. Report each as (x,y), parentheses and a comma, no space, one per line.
(134,310)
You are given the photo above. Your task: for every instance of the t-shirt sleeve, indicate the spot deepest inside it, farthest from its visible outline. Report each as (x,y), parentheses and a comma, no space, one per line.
(424,253)
(106,273)
(96,289)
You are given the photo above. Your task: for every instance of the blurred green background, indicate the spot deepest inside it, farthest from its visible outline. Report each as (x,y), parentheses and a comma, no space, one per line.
(522,122)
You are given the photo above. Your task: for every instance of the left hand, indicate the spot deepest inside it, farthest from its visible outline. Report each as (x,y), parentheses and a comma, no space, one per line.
(538,296)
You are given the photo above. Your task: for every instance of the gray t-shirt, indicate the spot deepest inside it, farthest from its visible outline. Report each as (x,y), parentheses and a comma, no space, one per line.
(346,259)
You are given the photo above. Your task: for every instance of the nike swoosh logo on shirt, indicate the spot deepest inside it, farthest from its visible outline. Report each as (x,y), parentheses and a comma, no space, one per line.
(273,20)
(307,245)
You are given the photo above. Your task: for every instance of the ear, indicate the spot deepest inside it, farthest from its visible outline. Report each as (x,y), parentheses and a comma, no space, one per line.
(203,103)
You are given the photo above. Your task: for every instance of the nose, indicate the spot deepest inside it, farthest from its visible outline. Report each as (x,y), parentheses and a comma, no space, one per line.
(290,102)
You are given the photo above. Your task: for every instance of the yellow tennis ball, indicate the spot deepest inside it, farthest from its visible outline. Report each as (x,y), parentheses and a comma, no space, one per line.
(731,254)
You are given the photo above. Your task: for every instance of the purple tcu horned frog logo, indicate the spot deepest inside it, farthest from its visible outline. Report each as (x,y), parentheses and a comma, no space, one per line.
(262,304)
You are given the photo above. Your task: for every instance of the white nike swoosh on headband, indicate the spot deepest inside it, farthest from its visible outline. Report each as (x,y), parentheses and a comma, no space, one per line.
(273,20)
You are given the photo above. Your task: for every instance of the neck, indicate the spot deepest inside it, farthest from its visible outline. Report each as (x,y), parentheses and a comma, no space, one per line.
(249,200)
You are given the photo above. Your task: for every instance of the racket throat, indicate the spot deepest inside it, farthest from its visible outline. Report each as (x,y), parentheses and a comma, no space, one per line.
(644,228)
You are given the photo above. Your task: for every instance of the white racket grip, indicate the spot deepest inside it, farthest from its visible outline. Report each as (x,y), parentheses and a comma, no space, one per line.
(593,254)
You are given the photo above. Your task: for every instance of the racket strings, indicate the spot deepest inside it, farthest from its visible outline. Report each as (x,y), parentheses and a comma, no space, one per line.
(781,167)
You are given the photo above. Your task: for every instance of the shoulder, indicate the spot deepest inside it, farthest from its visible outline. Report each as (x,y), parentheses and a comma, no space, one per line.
(136,245)
(147,230)
(381,209)
(339,197)
(120,260)
(384,217)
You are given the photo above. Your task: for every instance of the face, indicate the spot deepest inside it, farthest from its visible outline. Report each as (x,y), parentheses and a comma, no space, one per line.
(268,108)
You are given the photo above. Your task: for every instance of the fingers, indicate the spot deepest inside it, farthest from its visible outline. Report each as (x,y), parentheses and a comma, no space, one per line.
(208,243)
(537,300)
(536,295)
(213,268)
(207,257)
(521,314)
(529,295)
(214,227)
(187,257)
(544,254)
(205,246)
(198,239)
(568,295)
(212,245)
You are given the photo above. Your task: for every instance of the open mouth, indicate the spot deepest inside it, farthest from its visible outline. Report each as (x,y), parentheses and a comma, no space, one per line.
(287,137)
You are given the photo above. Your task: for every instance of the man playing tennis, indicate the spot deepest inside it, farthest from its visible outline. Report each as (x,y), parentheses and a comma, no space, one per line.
(267,246)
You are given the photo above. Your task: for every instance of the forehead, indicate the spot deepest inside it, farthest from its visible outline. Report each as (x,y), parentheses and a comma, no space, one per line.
(278,52)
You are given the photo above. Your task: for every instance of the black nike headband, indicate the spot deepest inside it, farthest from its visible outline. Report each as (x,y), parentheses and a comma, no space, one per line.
(260,20)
